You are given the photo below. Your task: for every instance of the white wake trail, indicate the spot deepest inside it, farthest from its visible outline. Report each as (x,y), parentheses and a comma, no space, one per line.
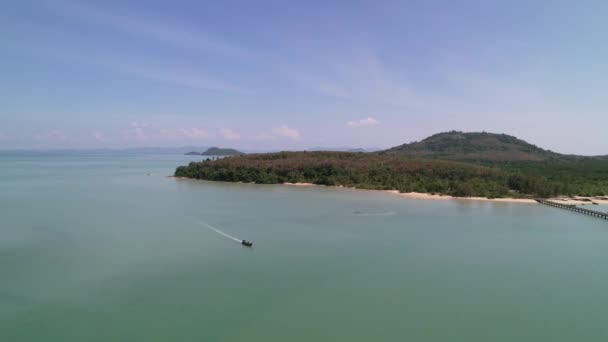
(220,232)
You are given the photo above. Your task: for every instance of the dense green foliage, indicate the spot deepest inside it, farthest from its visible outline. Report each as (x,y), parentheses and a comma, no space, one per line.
(393,172)
(453,163)
(585,176)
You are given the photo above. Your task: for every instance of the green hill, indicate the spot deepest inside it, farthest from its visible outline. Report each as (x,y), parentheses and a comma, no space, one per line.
(473,147)
(453,163)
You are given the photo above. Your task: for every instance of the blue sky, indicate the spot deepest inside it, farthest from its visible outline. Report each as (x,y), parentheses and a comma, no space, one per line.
(281,74)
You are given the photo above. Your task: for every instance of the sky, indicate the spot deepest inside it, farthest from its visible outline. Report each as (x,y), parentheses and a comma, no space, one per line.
(298,74)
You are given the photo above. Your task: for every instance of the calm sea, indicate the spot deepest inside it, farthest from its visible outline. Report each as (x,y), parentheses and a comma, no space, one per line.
(106,248)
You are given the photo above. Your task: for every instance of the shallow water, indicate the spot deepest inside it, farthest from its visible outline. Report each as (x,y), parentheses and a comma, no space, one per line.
(94,249)
(599,207)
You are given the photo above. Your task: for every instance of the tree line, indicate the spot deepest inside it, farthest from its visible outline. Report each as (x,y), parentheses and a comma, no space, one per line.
(390,172)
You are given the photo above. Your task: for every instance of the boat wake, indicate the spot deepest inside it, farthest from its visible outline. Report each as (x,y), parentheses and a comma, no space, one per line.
(220,232)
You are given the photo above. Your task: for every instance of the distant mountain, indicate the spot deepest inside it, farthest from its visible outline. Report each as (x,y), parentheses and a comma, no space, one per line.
(474,146)
(216,151)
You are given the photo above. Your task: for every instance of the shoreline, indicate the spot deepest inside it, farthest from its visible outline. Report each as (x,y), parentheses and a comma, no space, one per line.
(576,200)
(579,200)
(426,196)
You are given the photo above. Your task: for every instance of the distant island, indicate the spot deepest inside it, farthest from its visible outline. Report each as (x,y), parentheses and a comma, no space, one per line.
(451,163)
(216,151)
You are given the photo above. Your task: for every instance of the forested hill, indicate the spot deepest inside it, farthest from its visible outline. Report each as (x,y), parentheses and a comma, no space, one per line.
(474,147)
(392,172)
(453,163)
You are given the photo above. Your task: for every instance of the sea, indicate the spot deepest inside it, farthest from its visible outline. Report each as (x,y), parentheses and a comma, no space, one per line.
(106,247)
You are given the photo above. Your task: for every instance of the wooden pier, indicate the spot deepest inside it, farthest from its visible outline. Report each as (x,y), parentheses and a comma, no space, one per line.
(574,208)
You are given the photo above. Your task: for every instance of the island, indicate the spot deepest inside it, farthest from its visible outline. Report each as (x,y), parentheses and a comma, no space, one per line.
(217,152)
(452,163)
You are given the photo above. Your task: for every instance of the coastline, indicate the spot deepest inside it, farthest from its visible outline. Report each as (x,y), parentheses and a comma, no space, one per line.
(421,195)
(577,200)
(425,196)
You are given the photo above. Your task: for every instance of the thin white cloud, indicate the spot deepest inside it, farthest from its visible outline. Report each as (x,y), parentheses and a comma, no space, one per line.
(99,136)
(320,84)
(363,79)
(191,79)
(137,131)
(264,136)
(135,25)
(51,136)
(184,133)
(281,132)
(363,122)
(287,132)
(136,66)
(229,134)
(140,64)
(139,124)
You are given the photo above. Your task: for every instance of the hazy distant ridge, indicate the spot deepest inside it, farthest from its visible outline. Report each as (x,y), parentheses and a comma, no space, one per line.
(216,151)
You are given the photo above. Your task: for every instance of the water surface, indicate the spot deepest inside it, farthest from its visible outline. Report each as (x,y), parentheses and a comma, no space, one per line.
(106,248)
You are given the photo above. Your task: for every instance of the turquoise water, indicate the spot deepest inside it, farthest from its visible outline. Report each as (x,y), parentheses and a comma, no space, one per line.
(94,249)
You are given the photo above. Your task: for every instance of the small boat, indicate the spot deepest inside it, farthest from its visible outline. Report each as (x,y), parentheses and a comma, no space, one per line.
(246,243)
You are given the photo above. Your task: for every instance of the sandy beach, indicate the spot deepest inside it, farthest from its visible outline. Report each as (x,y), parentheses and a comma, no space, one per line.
(581,200)
(419,195)
(425,196)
